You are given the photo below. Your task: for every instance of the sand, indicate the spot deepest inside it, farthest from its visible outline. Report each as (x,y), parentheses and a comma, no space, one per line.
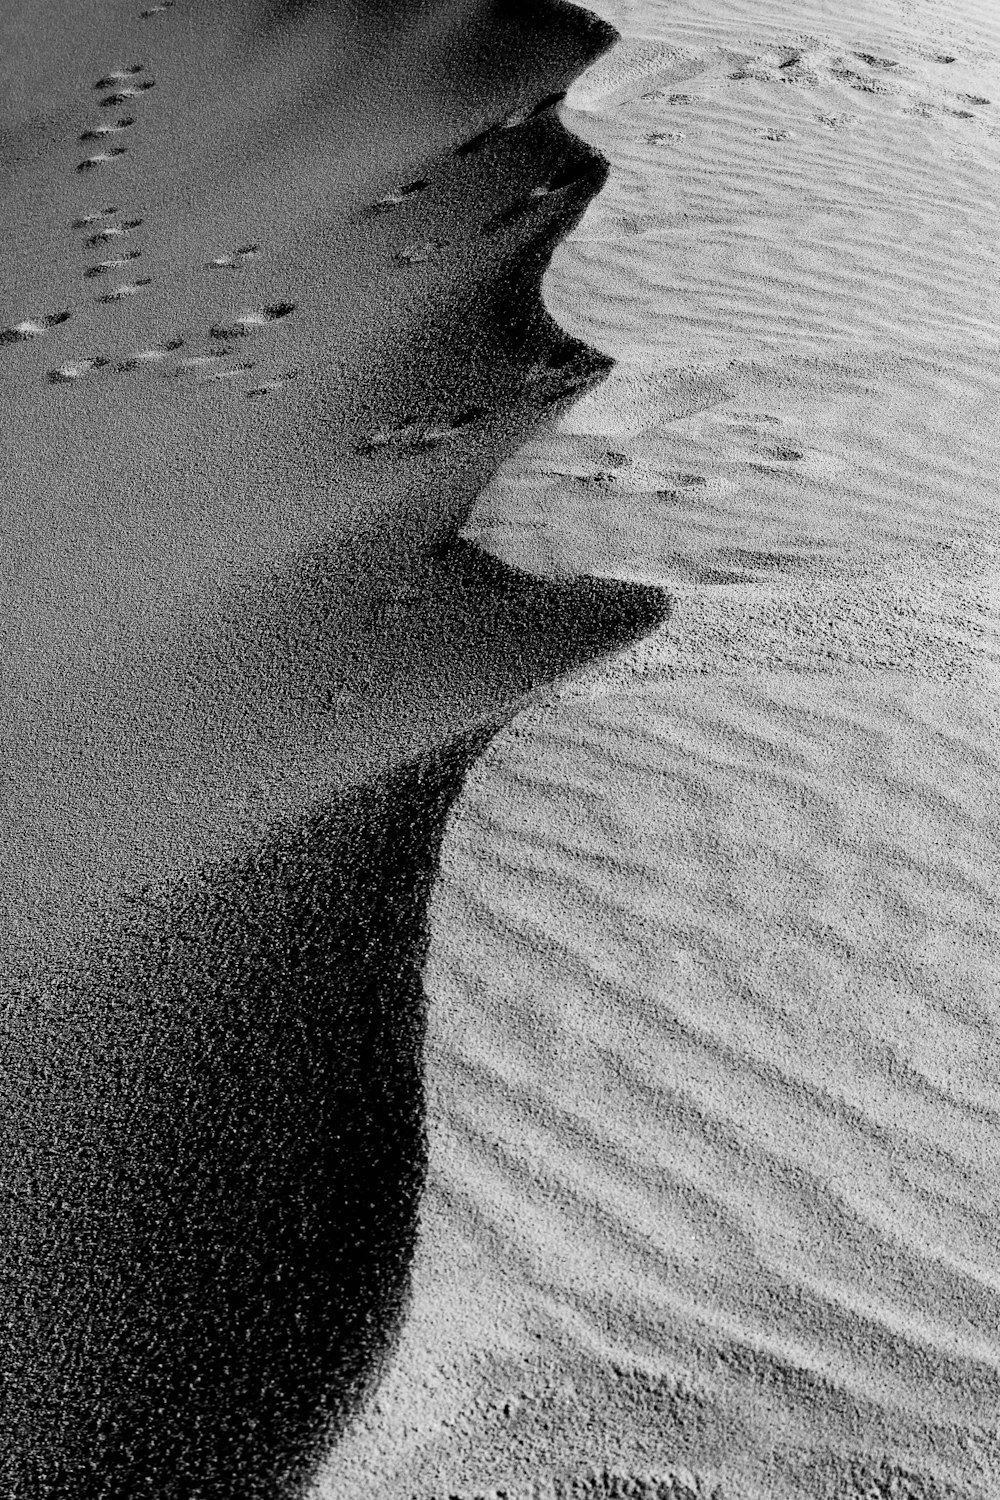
(713,973)
(406,1105)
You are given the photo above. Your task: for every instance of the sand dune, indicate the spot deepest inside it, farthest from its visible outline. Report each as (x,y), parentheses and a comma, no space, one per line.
(714,958)
(675,1177)
(255,365)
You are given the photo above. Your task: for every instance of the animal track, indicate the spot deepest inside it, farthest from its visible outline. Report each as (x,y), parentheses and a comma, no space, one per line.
(775,455)
(94,218)
(113,232)
(103,267)
(32,328)
(510,122)
(122,96)
(101,132)
(196,364)
(120,75)
(416,435)
(234,259)
(885,63)
(127,289)
(101,159)
(75,370)
(416,255)
(250,321)
(393,200)
(149,356)
(844,73)
(572,174)
(270,386)
(228,373)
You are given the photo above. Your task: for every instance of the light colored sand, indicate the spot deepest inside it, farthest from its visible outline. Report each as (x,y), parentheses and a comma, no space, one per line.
(715,1101)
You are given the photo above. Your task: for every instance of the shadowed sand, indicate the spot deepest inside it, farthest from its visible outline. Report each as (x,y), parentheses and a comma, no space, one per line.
(248,664)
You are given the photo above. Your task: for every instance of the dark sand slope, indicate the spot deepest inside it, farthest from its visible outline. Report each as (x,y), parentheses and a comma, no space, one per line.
(246,667)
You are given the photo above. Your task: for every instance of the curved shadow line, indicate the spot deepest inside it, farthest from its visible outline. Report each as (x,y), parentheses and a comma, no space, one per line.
(217,1143)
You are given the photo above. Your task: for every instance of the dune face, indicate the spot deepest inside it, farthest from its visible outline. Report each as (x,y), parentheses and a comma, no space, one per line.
(712,1048)
(272,317)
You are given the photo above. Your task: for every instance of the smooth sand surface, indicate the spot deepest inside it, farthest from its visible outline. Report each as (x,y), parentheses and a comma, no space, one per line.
(712,1197)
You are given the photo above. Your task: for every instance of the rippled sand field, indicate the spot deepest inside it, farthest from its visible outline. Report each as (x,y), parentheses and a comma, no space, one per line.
(713,1076)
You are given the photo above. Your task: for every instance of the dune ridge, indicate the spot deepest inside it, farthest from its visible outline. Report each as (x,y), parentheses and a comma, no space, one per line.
(713,996)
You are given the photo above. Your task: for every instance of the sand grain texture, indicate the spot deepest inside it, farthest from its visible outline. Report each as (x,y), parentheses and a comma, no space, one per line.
(713,1072)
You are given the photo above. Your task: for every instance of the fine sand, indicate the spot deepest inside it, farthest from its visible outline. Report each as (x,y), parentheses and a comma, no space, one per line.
(426,1081)
(714,1095)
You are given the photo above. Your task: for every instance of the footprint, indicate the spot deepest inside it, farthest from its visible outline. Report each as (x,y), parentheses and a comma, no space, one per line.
(568,177)
(94,218)
(844,73)
(101,159)
(885,63)
(101,132)
(245,325)
(415,436)
(32,328)
(270,386)
(122,96)
(234,259)
(113,232)
(127,289)
(228,373)
(517,210)
(120,75)
(151,356)
(837,122)
(103,267)
(531,111)
(433,437)
(416,255)
(196,364)
(75,370)
(389,436)
(777,455)
(686,481)
(393,200)
(510,122)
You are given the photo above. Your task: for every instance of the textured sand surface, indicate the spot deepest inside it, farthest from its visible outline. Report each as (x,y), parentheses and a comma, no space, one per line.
(713,1071)
(255,365)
